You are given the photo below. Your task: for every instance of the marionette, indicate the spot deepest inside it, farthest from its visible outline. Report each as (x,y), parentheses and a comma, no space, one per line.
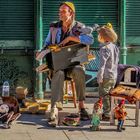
(120,114)
(7,113)
(96,115)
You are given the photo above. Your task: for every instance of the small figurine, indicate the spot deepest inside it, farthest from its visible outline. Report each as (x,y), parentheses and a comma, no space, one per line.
(8,112)
(4,109)
(96,115)
(120,114)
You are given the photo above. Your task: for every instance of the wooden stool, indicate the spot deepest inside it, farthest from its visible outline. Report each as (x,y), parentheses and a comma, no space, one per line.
(70,82)
(112,120)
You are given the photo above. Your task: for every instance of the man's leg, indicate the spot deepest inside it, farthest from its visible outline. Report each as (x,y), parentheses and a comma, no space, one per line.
(57,84)
(78,76)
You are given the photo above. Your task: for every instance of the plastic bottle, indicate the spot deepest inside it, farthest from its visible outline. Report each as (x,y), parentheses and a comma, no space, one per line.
(47,85)
(5,89)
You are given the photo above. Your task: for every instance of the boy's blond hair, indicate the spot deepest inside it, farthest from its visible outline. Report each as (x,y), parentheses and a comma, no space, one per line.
(107,33)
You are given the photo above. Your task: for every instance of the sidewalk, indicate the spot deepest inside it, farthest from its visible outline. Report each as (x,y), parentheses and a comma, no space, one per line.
(33,127)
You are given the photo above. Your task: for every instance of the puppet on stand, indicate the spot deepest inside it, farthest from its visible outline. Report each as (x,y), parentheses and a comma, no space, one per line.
(120,114)
(96,115)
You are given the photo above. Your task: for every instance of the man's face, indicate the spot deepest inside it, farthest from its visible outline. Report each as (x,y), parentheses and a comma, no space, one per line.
(64,13)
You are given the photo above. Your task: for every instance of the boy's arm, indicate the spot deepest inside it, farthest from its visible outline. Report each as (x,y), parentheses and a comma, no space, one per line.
(104,55)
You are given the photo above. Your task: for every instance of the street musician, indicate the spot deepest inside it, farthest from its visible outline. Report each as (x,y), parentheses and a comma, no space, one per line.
(63,33)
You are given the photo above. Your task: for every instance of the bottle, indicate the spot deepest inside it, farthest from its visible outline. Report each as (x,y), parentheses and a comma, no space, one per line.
(5,89)
(69,89)
(48,85)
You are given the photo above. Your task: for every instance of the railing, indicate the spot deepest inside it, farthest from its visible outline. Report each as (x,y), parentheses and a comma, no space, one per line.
(92,69)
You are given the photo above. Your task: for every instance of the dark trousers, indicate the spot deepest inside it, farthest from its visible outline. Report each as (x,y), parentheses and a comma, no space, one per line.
(57,84)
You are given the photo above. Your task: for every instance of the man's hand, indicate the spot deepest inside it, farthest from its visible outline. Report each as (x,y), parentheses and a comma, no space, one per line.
(54,48)
(40,55)
(64,42)
(37,53)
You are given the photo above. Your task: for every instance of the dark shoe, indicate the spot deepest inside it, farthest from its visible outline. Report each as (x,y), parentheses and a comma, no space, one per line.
(105,118)
(123,128)
(84,116)
(119,129)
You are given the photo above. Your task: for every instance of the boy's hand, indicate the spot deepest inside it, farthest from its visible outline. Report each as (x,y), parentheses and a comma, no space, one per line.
(100,81)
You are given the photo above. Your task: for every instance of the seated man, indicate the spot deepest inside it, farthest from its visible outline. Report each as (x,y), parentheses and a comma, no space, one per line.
(64,32)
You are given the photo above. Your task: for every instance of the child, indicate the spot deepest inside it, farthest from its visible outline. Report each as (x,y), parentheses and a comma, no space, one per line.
(107,74)
(96,115)
(120,114)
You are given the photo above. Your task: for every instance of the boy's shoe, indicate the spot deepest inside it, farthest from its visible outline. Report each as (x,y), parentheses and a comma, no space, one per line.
(84,116)
(105,118)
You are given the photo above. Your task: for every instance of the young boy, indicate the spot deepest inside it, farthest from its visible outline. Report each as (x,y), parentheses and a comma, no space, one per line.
(109,58)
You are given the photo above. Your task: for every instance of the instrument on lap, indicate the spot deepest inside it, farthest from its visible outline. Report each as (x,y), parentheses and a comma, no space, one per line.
(60,58)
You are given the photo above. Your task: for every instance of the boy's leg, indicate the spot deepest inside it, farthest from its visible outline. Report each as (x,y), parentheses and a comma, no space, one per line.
(104,90)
